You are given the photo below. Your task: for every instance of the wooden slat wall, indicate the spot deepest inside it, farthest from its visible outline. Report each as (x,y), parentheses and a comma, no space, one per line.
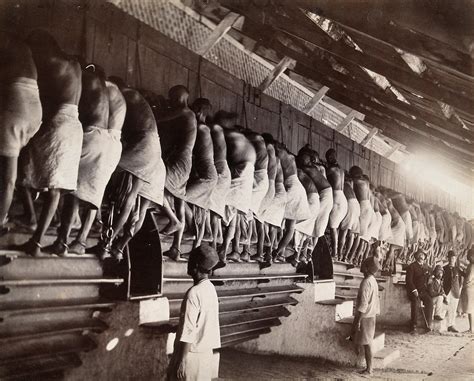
(107,36)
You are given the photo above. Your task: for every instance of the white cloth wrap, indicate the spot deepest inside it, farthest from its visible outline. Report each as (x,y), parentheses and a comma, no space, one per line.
(385,230)
(241,185)
(307,226)
(398,235)
(406,216)
(101,151)
(218,199)
(339,209)
(267,200)
(55,151)
(260,189)
(366,213)
(352,216)
(297,207)
(325,207)
(374,227)
(275,212)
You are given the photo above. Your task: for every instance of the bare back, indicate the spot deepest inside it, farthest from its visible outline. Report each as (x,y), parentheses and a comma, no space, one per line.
(94,103)
(218,142)
(287,161)
(361,189)
(318,178)
(307,183)
(348,190)
(117,106)
(335,176)
(177,129)
(16,59)
(272,162)
(239,149)
(400,203)
(261,161)
(139,115)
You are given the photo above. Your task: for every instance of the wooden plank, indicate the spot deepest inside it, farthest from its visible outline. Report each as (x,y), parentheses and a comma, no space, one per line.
(374,131)
(394,149)
(221,29)
(347,120)
(276,72)
(314,101)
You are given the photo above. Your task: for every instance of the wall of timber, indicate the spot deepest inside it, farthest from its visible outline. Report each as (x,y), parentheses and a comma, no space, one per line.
(145,58)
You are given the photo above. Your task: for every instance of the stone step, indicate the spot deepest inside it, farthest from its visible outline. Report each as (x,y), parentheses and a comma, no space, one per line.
(385,356)
(342,308)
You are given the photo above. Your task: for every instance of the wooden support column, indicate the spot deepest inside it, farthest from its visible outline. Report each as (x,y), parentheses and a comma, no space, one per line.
(395,148)
(374,131)
(221,29)
(347,120)
(313,102)
(276,72)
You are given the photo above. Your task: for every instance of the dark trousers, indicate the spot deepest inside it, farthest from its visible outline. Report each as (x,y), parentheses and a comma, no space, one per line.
(415,308)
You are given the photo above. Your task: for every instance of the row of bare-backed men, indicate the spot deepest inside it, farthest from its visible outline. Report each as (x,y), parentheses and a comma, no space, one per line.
(84,134)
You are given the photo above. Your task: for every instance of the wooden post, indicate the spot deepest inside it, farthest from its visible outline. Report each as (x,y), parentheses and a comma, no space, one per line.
(221,29)
(347,120)
(276,72)
(313,102)
(374,131)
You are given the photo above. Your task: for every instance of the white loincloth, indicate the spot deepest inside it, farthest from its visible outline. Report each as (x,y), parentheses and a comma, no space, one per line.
(398,235)
(385,230)
(366,212)
(297,207)
(307,226)
(325,207)
(178,169)
(352,215)
(267,200)
(374,227)
(339,209)
(55,151)
(408,225)
(101,151)
(260,189)
(20,114)
(416,230)
(218,199)
(275,212)
(241,185)
(155,189)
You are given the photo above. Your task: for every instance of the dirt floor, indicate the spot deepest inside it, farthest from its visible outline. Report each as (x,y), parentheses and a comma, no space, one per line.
(428,357)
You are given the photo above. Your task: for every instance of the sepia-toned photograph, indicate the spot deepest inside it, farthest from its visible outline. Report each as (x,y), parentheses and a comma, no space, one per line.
(202,190)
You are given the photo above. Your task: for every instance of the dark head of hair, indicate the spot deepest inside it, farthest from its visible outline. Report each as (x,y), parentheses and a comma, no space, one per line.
(178,92)
(202,105)
(118,81)
(239,128)
(356,172)
(451,253)
(42,40)
(331,155)
(269,139)
(95,68)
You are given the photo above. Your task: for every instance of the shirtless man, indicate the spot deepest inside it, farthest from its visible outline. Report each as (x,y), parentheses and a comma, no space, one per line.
(400,203)
(349,228)
(138,182)
(261,222)
(241,157)
(297,207)
(259,190)
(95,166)
(397,236)
(20,113)
(54,152)
(362,192)
(203,177)
(177,128)
(335,176)
(218,198)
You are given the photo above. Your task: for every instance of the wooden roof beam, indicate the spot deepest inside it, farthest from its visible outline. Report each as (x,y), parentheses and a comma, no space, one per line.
(277,71)
(314,101)
(221,29)
(370,135)
(348,120)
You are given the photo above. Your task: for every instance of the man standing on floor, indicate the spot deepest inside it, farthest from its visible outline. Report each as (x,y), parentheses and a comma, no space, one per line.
(198,330)
(452,288)
(367,307)
(417,290)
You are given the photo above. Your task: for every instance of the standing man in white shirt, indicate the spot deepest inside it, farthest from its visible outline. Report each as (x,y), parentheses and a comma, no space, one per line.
(198,330)
(367,307)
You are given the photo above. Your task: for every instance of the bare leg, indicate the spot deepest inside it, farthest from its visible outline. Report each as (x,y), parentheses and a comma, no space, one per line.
(349,241)
(368,360)
(215,221)
(245,255)
(285,240)
(354,246)
(70,208)
(131,228)
(334,241)
(201,228)
(180,214)
(261,238)
(234,256)
(78,246)
(174,223)
(229,234)
(8,174)
(28,219)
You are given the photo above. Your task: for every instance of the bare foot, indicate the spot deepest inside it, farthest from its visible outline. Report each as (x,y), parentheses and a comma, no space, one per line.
(234,257)
(245,256)
(77,247)
(30,247)
(366,372)
(173,253)
(100,251)
(172,227)
(58,248)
